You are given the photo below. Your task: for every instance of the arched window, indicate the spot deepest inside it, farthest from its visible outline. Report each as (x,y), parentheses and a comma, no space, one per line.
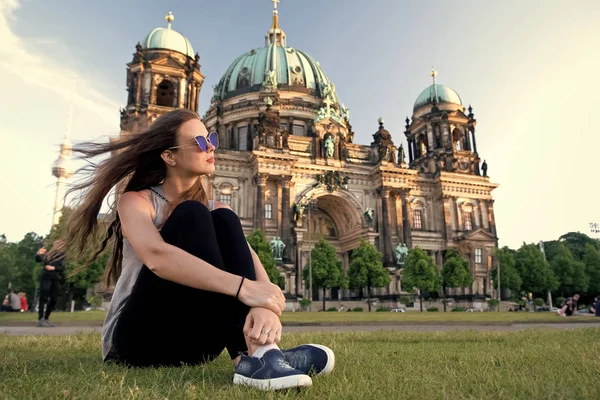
(418,215)
(243,138)
(165,94)
(422,146)
(457,139)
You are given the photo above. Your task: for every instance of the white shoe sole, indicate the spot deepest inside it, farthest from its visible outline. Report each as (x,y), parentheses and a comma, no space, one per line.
(286,382)
(330,359)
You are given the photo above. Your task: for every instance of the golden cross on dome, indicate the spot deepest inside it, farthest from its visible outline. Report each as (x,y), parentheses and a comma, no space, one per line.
(275,4)
(170,17)
(433,74)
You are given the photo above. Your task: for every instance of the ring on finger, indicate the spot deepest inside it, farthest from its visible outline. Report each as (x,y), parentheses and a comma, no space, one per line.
(265,332)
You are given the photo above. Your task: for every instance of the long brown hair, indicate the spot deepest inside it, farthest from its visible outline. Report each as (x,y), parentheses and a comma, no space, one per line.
(135,162)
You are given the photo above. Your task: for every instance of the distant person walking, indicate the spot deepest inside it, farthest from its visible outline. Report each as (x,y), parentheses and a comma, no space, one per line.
(49,283)
(11,302)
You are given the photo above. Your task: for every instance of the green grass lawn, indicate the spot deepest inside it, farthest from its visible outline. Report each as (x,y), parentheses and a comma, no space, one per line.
(96,317)
(530,364)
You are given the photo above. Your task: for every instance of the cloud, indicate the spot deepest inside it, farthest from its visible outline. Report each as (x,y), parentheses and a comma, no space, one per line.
(37,75)
(20,57)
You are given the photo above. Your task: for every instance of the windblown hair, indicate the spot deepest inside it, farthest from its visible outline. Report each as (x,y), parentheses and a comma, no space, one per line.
(134,164)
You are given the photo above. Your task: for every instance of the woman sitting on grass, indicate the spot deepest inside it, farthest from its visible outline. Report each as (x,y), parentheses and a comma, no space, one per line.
(173,247)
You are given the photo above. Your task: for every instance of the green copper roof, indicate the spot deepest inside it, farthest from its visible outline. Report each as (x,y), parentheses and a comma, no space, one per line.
(169,39)
(294,70)
(437,93)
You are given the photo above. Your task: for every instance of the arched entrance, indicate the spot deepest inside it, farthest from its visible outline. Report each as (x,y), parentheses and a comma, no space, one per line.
(336,217)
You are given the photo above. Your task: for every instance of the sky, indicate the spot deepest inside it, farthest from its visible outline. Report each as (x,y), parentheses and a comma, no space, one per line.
(528,68)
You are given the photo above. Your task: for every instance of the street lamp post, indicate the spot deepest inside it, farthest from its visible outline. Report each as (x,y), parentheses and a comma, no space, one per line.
(312,205)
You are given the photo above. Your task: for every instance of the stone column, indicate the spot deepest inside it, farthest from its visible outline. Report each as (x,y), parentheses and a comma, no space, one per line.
(430,141)
(286,217)
(492,219)
(410,151)
(446,135)
(181,94)
(485,222)
(210,192)
(405,224)
(241,206)
(474,141)
(454,213)
(399,219)
(249,135)
(299,265)
(260,181)
(447,230)
(385,229)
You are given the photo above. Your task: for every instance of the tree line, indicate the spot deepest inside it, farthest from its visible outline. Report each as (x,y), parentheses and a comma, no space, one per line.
(570,265)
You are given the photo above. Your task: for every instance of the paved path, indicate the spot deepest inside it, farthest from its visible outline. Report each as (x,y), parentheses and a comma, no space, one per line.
(70,330)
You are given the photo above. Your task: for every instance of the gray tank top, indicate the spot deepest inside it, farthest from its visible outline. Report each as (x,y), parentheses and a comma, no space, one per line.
(130,270)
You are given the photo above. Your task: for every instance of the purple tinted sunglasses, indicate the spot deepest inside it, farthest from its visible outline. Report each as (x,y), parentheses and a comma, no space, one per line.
(202,142)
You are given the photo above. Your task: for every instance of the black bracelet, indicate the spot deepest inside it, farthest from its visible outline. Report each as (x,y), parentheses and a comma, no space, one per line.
(240,288)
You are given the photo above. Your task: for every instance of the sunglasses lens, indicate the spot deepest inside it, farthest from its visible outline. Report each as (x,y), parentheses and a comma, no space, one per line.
(213,137)
(201,140)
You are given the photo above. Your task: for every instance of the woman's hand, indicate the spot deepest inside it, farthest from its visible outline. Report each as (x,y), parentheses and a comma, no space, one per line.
(41,251)
(262,294)
(262,326)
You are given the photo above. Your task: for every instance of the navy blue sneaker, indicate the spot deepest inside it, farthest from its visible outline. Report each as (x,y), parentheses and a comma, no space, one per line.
(270,372)
(311,359)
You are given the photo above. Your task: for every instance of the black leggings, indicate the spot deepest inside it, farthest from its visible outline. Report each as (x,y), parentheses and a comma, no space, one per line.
(165,323)
(49,288)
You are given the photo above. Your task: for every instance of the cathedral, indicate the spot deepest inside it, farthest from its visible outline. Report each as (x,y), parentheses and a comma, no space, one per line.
(288,163)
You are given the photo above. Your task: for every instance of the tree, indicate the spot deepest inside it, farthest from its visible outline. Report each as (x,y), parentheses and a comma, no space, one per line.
(420,272)
(455,273)
(571,274)
(509,275)
(18,266)
(77,280)
(591,259)
(576,242)
(262,248)
(327,269)
(366,269)
(535,272)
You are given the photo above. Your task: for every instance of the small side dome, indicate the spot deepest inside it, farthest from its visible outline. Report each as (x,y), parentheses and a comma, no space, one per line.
(168,39)
(437,93)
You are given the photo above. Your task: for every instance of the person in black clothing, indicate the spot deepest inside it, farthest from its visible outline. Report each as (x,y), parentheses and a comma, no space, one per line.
(49,284)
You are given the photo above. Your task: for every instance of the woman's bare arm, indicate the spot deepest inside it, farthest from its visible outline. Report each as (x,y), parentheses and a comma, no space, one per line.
(176,265)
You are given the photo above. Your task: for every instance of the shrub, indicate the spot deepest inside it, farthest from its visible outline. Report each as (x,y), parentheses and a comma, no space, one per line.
(304,303)
(538,302)
(457,309)
(382,309)
(96,301)
(560,301)
(493,303)
(357,309)
(332,309)
(404,300)
(433,309)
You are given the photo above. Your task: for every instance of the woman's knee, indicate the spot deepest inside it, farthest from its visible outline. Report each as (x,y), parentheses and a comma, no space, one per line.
(191,211)
(225,216)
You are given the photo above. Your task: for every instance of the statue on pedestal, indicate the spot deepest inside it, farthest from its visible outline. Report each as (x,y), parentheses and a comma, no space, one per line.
(401,253)
(277,247)
(329,147)
(369,216)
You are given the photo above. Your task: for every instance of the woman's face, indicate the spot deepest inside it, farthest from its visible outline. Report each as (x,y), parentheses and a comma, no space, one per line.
(190,158)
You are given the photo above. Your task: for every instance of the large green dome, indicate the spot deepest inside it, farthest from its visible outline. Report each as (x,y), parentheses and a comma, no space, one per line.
(295,71)
(437,93)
